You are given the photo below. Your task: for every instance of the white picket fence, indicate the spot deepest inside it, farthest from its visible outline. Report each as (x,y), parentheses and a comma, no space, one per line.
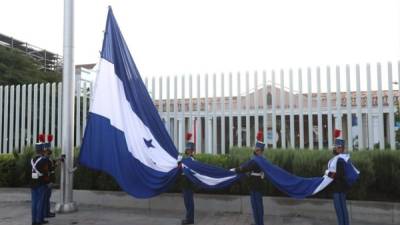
(225,110)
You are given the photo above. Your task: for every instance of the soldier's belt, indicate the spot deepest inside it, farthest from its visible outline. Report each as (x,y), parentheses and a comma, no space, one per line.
(256,174)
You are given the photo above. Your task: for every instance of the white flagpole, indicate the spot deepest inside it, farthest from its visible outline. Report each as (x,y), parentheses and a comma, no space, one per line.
(66,204)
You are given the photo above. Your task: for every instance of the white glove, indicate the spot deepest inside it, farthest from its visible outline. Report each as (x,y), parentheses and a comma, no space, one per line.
(179,158)
(232,169)
(326,172)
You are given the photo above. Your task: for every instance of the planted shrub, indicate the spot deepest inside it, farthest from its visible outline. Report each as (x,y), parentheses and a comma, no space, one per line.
(378,180)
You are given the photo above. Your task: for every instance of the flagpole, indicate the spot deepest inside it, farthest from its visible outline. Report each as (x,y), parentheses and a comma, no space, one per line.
(66,203)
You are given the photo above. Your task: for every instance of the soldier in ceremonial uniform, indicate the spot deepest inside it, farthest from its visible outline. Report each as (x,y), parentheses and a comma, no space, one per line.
(339,186)
(256,177)
(39,180)
(52,177)
(187,185)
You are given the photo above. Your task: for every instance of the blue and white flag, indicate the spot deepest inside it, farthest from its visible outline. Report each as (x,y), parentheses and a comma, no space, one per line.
(208,176)
(125,136)
(300,187)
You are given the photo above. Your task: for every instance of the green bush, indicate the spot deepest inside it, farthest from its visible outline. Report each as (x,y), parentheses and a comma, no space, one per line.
(378,179)
(7,169)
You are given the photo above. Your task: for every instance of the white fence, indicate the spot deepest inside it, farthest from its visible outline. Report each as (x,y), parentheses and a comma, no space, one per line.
(295,108)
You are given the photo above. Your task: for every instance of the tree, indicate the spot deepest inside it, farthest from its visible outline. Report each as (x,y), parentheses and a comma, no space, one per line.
(18,68)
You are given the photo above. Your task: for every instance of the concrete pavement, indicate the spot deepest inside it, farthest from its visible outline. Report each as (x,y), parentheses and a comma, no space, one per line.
(110,207)
(18,213)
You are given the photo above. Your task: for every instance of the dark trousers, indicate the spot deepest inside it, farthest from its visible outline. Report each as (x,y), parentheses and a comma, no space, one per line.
(37,193)
(257,206)
(189,204)
(46,204)
(339,201)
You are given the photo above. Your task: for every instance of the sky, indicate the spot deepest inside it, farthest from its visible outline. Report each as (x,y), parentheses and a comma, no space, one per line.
(178,37)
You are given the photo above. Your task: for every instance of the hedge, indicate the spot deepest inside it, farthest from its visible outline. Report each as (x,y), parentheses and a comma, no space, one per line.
(379,179)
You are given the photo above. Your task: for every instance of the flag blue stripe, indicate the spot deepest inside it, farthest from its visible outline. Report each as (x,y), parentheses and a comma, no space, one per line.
(104,148)
(294,186)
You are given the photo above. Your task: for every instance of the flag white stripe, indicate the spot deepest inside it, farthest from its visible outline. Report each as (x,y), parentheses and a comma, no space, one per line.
(110,101)
(211,181)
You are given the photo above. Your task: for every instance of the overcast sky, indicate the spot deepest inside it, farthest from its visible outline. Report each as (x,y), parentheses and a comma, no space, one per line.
(175,37)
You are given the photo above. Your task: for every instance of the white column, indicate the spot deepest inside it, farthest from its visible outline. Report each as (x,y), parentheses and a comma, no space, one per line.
(35,117)
(348,107)
(84,106)
(273,95)
(23,117)
(230,113)
(29,116)
(319,115)
(369,109)
(380,108)
(222,114)
(53,111)
(47,110)
(182,116)
(17,116)
(168,107)
(300,110)
(282,106)
(41,108)
(59,119)
(11,126)
(359,114)
(191,103)
(206,120)
(247,99)
(198,120)
(6,119)
(176,140)
(338,120)
(78,113)
(160,97)
(391,108)
(214,116)
(310,113)
(181,139)
(256,110)
(329,106)
(209,133)
(239,112)
(292,137)
(153,89)
(264,99)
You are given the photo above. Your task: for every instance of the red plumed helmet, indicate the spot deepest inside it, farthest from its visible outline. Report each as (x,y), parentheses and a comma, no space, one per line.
(260,136)
(188,136)
(336,133)
(49,138)
(42,138)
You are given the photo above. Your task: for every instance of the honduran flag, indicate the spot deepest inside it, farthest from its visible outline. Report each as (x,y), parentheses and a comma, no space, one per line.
(302,187)
(208,176)
(125,137)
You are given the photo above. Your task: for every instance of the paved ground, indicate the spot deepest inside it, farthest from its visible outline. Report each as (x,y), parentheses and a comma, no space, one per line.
(19,214)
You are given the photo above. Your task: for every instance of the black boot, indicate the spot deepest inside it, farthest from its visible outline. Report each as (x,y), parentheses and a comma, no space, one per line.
(50,215)
(184,222)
